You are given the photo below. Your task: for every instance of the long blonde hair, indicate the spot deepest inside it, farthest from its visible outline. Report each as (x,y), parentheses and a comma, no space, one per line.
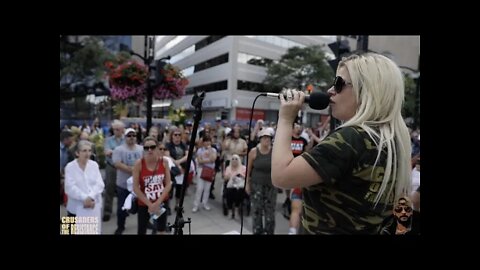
(379,89)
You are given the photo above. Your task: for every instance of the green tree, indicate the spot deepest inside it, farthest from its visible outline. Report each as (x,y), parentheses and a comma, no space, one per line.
(83,71)
(297,68)
(408,110)
(82,63)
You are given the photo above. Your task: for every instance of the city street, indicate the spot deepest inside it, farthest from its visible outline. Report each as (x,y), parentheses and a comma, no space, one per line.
(203,221)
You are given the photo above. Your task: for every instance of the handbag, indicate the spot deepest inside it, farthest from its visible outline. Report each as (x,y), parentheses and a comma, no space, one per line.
(175,171)
(207,174)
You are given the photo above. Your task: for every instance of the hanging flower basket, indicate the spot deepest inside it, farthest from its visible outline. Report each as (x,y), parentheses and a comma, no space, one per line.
(173,84)
(128,82)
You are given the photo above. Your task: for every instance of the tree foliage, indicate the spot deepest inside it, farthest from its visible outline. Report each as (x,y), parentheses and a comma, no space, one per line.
(298,68)
(82,64)
(408,110)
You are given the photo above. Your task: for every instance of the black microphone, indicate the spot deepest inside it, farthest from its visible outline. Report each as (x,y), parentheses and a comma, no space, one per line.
(317,100)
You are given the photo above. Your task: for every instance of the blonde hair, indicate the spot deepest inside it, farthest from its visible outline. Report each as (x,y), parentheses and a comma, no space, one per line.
(238,158)
(378,87)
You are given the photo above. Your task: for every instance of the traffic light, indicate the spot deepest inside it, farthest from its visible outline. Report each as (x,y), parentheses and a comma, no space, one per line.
(339,49)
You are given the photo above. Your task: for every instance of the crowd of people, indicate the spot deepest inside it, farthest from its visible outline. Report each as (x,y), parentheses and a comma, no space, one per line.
(348,181)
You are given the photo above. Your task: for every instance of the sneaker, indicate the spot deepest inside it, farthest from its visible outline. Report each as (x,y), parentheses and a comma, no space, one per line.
(119,231)
(195,209)
(106,218)
(206,207)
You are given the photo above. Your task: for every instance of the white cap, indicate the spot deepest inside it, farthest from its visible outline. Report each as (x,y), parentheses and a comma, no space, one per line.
(128,130)
(266,132)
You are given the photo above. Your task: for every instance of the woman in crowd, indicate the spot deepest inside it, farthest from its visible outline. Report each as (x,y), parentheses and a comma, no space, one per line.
(151,184)
(83,183)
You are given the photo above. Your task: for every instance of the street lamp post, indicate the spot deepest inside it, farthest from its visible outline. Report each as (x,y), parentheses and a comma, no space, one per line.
(154,77)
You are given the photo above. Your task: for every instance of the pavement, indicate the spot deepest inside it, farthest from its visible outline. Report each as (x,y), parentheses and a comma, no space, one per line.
(203,221)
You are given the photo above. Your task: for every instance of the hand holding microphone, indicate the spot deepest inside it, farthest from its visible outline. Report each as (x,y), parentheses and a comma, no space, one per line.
(317,100)
(291,102)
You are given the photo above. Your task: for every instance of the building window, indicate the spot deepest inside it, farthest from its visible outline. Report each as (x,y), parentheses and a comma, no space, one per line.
(250,86)
(254,60)
(207,41)
(255,87)
(210,87)
(211,62)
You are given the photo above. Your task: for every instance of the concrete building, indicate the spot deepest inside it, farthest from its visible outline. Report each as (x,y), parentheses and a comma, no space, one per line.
(230,69)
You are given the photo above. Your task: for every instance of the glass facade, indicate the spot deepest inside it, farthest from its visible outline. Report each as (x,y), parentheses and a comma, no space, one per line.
(207,41)
(210,87)
(246,58)
(221,59)
(255,87)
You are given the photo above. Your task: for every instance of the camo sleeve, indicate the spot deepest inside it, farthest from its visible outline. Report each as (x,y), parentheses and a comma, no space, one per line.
(334,157)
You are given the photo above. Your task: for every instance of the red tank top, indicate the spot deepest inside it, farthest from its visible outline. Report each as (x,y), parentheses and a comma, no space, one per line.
(152,183)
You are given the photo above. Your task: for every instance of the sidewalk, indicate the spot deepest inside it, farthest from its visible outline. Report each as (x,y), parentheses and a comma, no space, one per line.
(203,221)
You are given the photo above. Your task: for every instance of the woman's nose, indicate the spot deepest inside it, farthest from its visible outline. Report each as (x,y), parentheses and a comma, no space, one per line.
(331,91)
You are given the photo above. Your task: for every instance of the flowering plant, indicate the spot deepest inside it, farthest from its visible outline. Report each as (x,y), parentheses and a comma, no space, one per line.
(177,116)
(128,81)
(173,84)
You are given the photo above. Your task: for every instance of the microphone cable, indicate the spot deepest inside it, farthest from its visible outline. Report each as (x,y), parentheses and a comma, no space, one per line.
(246,167)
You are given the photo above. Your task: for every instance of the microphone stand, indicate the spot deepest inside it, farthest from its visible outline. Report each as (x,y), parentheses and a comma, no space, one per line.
(179,221)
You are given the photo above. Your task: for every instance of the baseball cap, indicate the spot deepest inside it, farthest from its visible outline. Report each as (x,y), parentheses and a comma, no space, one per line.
(265,132)
(129,130)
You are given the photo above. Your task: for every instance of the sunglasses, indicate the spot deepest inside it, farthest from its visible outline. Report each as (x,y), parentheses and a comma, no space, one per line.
(131,135)
(339,83)
(149,147)
(399,209)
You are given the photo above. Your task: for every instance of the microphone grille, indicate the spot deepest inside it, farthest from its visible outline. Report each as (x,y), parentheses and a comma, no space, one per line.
(319,100)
